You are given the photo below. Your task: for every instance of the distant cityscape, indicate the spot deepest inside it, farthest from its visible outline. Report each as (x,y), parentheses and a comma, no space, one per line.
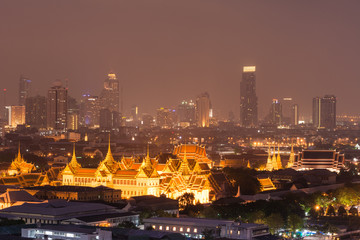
(58,112)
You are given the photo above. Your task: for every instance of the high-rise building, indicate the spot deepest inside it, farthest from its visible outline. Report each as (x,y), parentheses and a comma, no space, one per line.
(275,115)
(295,115)
(24,90)
(324,112)
(286,105)
(16,115)
(110,95)
(73,112)
(248,98)
(203,109)
(35,109)
(109,120)
(57,107)
(186,113)
(89,111)
(166,118)
(135,113)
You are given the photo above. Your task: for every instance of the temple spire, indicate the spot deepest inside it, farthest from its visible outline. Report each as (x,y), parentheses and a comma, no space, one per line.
(147,159)
(274,162)
(269,166)
(109,157)
(74,163)
(292,157)
(278,159)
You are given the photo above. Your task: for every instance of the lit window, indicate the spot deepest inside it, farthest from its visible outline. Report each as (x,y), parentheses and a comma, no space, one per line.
(174,229)
(188,229)
(195,230)
(238,232)
(153,226)
(167,228)
(181,229)
(160,227)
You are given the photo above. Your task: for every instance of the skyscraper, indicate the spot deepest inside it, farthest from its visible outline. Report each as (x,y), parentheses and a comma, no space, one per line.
(324,112)
(166,118)
(203,107)
(248,98)
(16,115)
(89,111)
(24,90)
(275,115)
(35,109)
(186,113)
(57,107)
(110,95)
(295,115)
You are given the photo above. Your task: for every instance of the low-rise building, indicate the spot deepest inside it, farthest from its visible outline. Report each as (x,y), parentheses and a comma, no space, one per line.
(77,193)
(196,227)
(319,159)
(67,232)
(55,211)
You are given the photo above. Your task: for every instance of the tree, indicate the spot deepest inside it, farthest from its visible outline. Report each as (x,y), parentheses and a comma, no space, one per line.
(330,211)
(353,211)
(275,221)
(127,224)
(208,234)
(257,217)
(341,211)
(347,196)
(186,200)
(295,222)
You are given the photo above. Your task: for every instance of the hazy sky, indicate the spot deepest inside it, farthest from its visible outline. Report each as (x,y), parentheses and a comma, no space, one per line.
(166,51)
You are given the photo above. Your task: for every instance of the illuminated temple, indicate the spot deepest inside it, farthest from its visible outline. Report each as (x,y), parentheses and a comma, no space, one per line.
(20,166)
(188,172)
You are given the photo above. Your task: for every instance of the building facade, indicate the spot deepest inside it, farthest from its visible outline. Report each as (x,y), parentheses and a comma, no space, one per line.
(248,98)
(24,89)
(203,109)
(324,112)
(35,111)
(57,107)
(188,172)
(110,95)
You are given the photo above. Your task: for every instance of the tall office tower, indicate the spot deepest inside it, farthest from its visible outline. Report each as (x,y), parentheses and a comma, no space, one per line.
(166,118)
(275,115)
(203,108)
(147,121)
(248,98)
(110,95)
(287,110)
(186,113)
(56,114)
(73,112)
(109,119)
(89,111)
(16,115)
(24,90)
(295,115)
(135,113)
(35,111)
(324,112)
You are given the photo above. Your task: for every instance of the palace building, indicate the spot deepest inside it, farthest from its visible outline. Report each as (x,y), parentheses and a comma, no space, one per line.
(188,172)
(19,165)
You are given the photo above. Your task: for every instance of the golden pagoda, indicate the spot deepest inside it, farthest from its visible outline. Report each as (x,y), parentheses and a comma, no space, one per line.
(269,166)
(19,165)
(274,160)
(278,159)
(291,158)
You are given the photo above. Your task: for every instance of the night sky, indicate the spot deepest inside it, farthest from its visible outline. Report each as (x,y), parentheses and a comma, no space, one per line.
(167,51)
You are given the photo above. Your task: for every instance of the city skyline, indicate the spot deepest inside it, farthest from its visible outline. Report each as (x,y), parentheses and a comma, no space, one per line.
(203,52)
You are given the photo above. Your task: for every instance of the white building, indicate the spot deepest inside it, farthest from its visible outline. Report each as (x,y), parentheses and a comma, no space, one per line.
(195,227)
(67,232)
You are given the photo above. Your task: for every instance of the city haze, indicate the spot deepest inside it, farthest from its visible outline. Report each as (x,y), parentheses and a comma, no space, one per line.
(167,51)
